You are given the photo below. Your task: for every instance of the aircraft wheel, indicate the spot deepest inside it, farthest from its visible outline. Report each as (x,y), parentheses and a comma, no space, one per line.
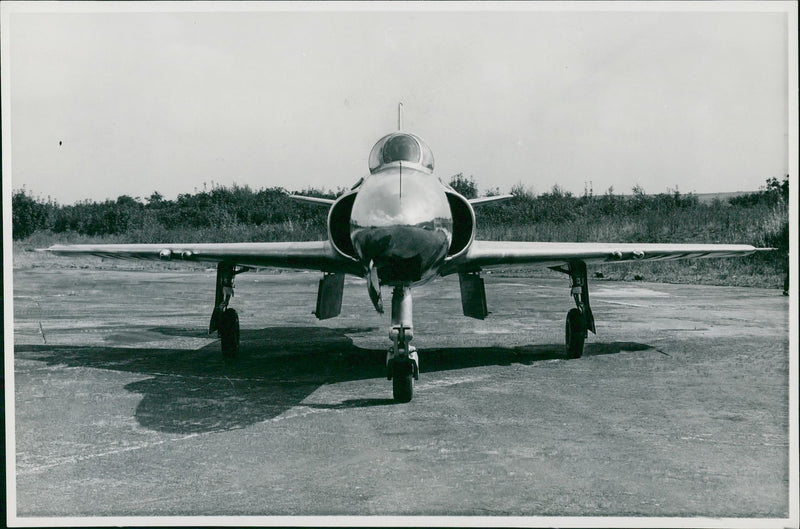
(403,381)
(575,333)
(229,333)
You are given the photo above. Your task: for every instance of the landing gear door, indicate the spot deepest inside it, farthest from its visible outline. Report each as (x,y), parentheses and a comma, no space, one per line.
(329,296)
(473,295)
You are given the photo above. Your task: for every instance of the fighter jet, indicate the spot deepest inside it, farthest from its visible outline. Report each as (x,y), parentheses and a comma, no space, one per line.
(400,227)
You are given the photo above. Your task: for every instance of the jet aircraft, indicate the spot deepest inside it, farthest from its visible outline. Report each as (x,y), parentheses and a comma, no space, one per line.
(399,227)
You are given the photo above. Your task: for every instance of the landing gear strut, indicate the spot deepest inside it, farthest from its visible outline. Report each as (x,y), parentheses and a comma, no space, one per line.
(224,319)
(402,361)
(580,320)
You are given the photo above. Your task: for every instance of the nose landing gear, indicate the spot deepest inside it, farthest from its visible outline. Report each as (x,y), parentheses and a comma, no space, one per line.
(402,360)
(402,367)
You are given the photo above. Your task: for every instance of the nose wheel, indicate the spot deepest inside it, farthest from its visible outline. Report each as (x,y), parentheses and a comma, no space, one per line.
(402,361)
(402,368)
(403,388)
(403,371)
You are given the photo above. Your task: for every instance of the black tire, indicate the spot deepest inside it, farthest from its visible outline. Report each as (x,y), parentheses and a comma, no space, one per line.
(229,333)
(575,333)
(403,381)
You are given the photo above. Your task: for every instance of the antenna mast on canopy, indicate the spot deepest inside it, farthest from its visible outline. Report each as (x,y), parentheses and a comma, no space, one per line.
(400,116)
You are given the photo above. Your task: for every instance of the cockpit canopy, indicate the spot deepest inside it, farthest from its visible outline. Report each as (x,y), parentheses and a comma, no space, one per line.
(401,147)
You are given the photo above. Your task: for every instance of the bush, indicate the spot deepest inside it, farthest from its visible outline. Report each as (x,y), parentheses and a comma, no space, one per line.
(29,214)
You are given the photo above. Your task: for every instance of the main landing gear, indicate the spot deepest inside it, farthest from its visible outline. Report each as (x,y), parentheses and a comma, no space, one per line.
(580,319)
(224,319)
(402,361)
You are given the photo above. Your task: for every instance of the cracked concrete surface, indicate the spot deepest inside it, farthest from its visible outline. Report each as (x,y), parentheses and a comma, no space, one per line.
(124,406)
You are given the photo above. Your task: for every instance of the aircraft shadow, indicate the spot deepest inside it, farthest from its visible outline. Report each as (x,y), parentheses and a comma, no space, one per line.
(195,391)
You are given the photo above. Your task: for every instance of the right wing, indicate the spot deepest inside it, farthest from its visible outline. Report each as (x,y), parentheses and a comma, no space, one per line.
(313,255)
(486,254)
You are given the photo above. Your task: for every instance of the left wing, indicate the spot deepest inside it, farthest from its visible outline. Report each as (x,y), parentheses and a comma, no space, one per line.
(485,254)
(314,255)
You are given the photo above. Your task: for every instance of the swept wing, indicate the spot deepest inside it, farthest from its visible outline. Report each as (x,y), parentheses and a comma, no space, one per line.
(487,254)
(313,255)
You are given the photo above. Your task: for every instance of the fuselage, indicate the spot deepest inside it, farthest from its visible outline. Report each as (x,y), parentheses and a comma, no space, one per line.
(401,222)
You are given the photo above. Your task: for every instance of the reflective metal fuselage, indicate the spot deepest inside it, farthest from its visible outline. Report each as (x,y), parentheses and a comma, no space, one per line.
(401,224)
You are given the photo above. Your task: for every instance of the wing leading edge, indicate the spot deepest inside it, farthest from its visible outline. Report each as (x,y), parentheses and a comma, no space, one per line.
(313,255)
(486,254)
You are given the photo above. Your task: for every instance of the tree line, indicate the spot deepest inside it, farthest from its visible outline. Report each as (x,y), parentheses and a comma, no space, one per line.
(221,207)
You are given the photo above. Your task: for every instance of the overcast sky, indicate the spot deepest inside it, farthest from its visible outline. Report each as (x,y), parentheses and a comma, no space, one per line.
(104,104)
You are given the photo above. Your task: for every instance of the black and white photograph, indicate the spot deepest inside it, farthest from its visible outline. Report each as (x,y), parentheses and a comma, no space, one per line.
(463,264)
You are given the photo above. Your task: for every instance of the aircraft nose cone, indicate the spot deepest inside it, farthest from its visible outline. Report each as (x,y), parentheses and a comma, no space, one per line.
(401,253)
(401,223)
